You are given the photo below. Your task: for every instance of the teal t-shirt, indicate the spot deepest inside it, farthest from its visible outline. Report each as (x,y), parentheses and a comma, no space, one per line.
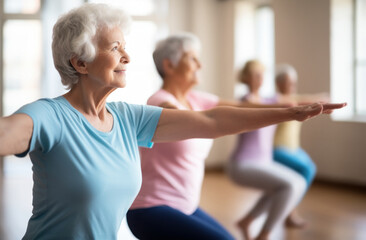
(85,180)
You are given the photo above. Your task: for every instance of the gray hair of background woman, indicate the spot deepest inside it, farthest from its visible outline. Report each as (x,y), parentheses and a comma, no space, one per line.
(75,34)
(173,48)
(285,69)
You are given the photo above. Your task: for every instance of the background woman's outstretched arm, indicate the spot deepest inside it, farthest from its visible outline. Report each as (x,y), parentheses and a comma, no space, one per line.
(175,125)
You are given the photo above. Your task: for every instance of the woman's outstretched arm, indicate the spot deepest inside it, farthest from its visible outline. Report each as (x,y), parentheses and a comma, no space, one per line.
(175,125)
(249,104)
(15,134)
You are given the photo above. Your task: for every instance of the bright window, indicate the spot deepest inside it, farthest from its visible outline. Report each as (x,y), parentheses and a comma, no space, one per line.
(360,56)
(22,6)
(21,63)
(254,39)
(264,20)
(348,58)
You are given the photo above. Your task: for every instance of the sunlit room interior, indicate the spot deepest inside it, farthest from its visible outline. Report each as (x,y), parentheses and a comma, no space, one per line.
(324,41)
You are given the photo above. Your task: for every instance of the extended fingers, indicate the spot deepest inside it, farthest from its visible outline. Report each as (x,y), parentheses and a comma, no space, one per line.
(328,107)
(315,109)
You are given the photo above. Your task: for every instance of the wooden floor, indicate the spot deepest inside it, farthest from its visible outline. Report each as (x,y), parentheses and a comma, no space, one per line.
(333,212)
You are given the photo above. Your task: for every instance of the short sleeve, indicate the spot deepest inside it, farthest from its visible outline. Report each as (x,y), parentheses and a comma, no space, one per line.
(46,125)
(143,118)
(147,121)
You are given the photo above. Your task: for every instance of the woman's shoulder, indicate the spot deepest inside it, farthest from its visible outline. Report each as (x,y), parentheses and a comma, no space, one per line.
(121,107)
(118,106)
(201,95)
(270,99)
(160,97)
(42,105)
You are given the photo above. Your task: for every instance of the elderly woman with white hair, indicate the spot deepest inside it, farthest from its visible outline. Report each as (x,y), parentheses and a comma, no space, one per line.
(84,151)
(167,204)
(287,149)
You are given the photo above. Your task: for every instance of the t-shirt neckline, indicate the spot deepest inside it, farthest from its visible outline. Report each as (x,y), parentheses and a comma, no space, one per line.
(68,104)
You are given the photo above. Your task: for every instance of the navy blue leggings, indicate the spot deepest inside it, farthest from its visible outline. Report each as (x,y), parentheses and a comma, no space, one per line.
(163,222)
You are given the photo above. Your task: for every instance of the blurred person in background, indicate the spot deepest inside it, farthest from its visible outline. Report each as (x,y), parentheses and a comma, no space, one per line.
(287,149)
(252,165)
(173,172)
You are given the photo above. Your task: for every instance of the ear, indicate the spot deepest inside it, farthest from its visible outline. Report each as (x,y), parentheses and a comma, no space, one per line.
(168,66)
(79,65)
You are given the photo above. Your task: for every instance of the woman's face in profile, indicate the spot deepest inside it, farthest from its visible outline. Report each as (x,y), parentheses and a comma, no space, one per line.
(109,66)
(287,85)
(255,79)
(188,67)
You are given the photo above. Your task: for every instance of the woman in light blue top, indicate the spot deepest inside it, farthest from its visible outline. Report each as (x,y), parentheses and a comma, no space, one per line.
(86,166)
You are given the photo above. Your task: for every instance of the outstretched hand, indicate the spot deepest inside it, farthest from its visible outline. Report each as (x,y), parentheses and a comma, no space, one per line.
(305,112)
(329,107)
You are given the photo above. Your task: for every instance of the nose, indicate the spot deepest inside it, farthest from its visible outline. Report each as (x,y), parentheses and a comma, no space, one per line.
(125,58)
(199,65)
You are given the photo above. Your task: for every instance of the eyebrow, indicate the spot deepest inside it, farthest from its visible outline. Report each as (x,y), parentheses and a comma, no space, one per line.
(119,42)
(122,44)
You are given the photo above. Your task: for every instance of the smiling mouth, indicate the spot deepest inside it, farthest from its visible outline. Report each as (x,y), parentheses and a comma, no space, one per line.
(120,71)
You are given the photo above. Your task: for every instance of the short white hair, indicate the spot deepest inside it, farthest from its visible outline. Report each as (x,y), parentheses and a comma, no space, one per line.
(173,48)
(74,33)
(285,69)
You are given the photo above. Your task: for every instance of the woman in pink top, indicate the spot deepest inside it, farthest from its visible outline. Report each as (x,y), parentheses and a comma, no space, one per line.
(167,204)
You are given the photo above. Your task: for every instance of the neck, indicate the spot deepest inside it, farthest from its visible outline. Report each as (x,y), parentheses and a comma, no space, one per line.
(180,91)
(254,92)
(254,97)
(89,101)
